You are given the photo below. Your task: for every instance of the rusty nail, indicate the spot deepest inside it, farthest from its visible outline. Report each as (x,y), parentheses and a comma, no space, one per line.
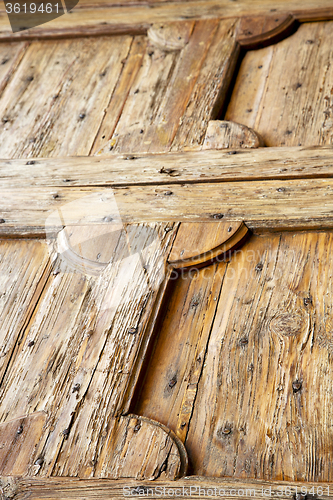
(173,382)
(76,387)
(31,343)
(281,190)
(182,425)
(55,196)
(39,461)
(108,218)
(232,153)
(225,431)
(130,157)
(82,116)
(244,341)
(297,385)
(217,216)
(2,221)
(30,162)
(307,301)
(132,331)
(259,267)
(229,229)
(20,429)
(168,193)
(65,433)
(137,427)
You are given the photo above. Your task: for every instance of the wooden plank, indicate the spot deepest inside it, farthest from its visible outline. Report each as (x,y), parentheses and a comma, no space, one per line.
(160,135)
(18,439)
(93,489)
(284,91)
(211,85)
(176,168)
(142,109)
(302,203)
(91,20)
(87,333)
(55,101)
(118,98)
(23,272)
(265,378)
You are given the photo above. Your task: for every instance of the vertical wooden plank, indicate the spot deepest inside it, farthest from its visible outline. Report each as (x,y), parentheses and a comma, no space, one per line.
(267,381)
(10,57)
(211,86)
(23,273)
(284,92)
(55,101)
(132,64)
(142,110)
(160,135)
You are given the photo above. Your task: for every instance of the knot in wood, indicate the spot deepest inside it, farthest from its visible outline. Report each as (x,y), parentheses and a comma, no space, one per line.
(287,324)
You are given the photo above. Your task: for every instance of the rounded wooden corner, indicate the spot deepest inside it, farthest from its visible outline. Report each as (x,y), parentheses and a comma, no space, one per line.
(198,244)
(143,449)
(262,31)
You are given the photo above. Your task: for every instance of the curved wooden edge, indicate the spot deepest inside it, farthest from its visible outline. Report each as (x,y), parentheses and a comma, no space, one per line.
(222,134)
(237,237)
(170,36)
(259,32)
(179,444)
(143,449)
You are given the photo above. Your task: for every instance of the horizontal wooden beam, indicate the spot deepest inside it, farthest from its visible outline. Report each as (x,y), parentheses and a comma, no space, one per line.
(198,167)
(268,188)
(110,17)
(189,487)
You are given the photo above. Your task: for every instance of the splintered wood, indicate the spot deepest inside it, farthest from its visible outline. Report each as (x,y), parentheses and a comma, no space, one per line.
(241,364)
(75,360)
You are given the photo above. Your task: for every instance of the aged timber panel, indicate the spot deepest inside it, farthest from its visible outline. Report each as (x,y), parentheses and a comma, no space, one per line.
(241,369)
(79,353)
(285,91)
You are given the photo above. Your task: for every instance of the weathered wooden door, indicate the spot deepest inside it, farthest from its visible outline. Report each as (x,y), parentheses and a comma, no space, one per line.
(166,222)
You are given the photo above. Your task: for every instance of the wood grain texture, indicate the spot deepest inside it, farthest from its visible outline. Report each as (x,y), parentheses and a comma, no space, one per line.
(176,168)
(247,383)
(145,94)
(262,31)
(198,244)
(301,203)
(18,439)
(211,84)
(284,91)
(170,36)
(131,65)
(55,101)
(103,18)
(141,448)
(24,269)
(93,489)
(160,134)
(86,335)
(223,134)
